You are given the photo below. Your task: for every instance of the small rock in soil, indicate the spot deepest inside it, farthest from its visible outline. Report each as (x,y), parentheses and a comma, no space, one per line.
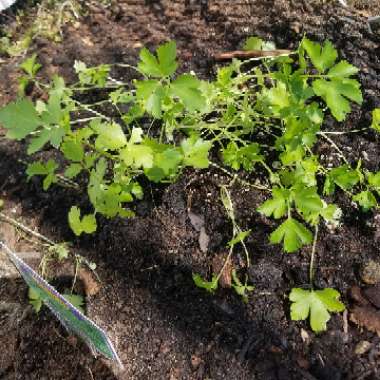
(362,347)
(197,221)
(204,239)
(370,273)
(305,337)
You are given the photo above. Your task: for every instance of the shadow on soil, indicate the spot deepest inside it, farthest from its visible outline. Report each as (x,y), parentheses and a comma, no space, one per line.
(127,247)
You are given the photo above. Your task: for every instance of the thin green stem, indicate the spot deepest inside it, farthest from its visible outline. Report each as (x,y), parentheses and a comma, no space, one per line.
(62,180)
(239,230)
(312,256)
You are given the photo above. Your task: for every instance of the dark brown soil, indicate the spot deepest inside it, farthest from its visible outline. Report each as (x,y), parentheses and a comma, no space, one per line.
(162,325)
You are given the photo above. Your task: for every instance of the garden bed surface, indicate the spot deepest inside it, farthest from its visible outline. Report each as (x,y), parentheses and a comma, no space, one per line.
(162,325)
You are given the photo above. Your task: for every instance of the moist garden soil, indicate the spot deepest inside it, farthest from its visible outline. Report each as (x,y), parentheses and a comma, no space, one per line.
(162,325)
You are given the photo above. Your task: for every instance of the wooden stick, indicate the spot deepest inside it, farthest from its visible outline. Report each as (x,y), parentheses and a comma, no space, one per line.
(250,54)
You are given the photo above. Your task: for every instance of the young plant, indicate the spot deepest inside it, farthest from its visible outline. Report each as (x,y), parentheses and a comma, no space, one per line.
(240,288)
(264,118)
(238,238)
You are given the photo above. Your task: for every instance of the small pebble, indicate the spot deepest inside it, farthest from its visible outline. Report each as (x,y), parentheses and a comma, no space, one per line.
(370,273)
(362,347)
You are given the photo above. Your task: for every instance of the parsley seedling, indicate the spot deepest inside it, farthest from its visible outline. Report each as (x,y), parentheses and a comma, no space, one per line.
(266,120)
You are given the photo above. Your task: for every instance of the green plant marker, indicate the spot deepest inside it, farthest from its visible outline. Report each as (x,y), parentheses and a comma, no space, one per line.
(70,316)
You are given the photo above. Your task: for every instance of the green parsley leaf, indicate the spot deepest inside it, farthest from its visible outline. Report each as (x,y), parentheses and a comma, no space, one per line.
(152,94)
(96,76)
(137,156)
(76,300)
(20,119)
(317,304)
(110,136)
(121,96)
(187,88)
(149,64)
(73,170)
(293,233)
(376,119)
(38,142)
(161,66)
(277,205)
(343,69)
(210,286)
(72,150)
(336,93)
(240,288)
(331,213)
(48,170)
(61,250)
(321,57)
(30,66)
(167,54)
(35,299)
(165,164)
(307,201)
(245,156)
(366,200)
(343,176)
(195,152)
(291,156)
(277,98)
(136,136)
(168,160)
(253,43)
(374,181)
(87,224)
(107,199)
(238,238)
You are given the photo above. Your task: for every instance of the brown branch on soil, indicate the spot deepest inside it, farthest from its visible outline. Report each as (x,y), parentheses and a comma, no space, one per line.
(250,54)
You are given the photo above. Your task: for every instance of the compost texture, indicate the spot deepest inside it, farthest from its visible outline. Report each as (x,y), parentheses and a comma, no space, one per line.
(162,325)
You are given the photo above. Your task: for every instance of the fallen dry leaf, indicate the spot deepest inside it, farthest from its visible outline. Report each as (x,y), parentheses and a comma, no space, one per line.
(367,317)
(217,265)
(91,286)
